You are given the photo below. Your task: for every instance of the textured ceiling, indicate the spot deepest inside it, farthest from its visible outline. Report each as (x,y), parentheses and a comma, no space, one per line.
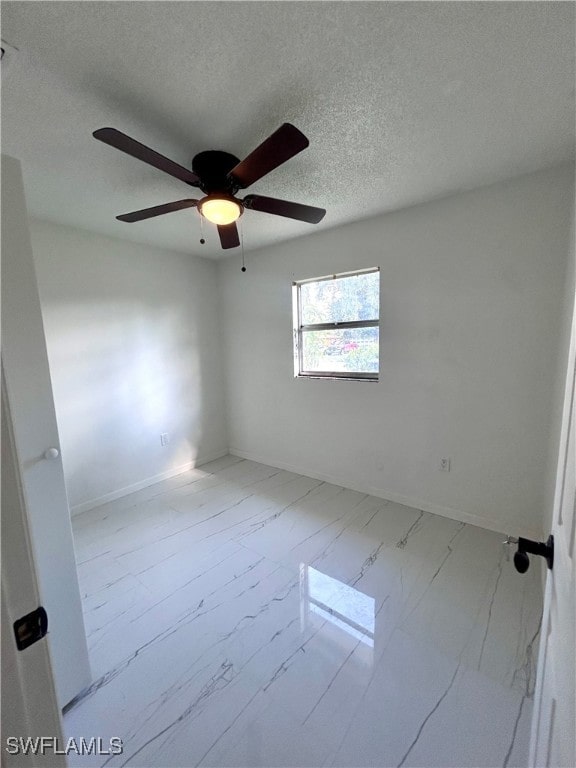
(402,102)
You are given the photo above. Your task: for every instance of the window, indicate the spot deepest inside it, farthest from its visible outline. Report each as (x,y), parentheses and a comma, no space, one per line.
(336,326)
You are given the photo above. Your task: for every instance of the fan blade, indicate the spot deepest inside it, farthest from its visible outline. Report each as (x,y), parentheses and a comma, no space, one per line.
(283,144)
(284,208)
(157,210)
(132,147)
(229,235)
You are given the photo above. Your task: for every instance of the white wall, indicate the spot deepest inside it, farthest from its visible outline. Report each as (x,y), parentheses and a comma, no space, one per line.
(134,346)
(471,289)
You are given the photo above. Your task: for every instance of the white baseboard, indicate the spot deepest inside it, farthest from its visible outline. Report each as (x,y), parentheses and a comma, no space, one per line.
(407,501)
(77,509)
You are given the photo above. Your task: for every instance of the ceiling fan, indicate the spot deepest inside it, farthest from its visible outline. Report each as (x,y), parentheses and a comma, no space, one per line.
(220,175)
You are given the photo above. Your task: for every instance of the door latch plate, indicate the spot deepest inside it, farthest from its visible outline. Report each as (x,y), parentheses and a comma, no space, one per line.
(30,628)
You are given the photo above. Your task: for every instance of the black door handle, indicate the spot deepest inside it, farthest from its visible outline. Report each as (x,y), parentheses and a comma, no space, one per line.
(527,546)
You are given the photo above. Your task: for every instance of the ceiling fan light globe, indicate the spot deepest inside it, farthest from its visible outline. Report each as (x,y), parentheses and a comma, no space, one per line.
(220,210)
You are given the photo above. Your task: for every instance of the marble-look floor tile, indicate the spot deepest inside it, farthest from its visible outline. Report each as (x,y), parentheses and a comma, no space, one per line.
(242,615)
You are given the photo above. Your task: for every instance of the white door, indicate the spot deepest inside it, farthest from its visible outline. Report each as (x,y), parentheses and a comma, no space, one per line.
(554,723)
(29,397)
(29,704)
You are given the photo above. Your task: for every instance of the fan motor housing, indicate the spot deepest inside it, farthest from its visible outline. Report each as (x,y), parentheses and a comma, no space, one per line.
(213,167)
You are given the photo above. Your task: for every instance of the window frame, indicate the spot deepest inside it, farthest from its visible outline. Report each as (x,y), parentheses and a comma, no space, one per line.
(299,328)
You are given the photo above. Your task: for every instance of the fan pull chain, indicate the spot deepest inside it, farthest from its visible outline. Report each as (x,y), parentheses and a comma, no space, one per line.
(202,241)
(242,246)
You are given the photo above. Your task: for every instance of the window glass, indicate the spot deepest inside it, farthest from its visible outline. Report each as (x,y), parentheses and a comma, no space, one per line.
(337,326)
(341,299)
(347,350)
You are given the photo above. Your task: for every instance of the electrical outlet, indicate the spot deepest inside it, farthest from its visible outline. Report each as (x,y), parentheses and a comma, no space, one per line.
(444,465)
(164,438)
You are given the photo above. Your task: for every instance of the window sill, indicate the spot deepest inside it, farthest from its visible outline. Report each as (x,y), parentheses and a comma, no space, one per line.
(329,377)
